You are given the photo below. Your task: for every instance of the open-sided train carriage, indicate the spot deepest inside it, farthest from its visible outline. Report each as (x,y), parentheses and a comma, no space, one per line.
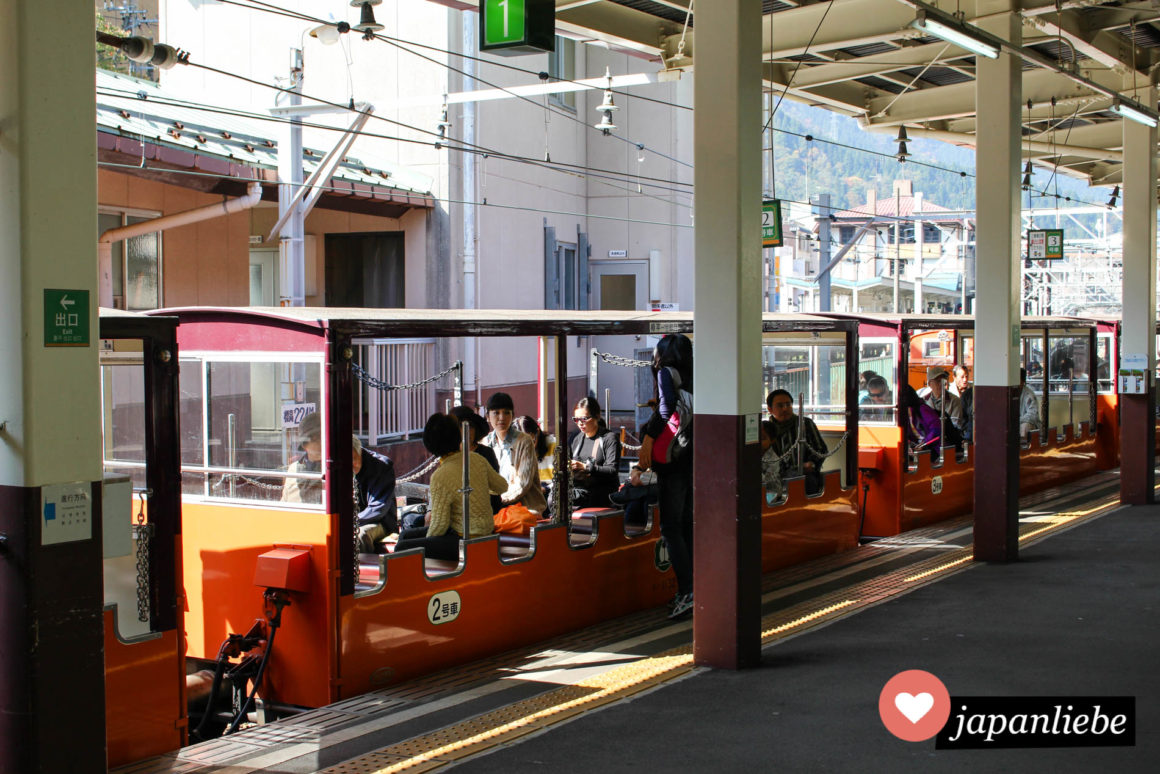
(1069,363)
(356,622)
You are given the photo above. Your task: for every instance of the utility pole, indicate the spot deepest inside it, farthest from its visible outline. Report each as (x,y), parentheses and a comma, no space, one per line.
(897,265)
(822,214)
(291,239)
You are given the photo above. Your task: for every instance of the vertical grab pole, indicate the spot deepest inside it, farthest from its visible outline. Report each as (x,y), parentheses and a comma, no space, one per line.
(563,498)
(608,406)
(232,456)
(1093,376)
(457,385)
(800,435)
(465,490)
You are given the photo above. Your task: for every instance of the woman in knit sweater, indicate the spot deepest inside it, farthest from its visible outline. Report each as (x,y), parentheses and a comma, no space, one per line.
(443,530)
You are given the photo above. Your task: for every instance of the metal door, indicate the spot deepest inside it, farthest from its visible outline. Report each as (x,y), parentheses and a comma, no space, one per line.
(618,284)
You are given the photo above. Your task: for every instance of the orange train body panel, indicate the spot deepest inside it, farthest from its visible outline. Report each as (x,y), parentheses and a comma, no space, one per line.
(144,695)
(900,500)
(222,543)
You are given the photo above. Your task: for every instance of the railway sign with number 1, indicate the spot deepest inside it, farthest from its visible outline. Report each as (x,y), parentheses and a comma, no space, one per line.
(510,27)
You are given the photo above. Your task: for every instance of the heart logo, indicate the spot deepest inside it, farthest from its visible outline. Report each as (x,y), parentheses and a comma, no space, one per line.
(914,707)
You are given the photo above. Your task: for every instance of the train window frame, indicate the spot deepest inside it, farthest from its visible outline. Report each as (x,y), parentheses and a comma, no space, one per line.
(203,360)
(1106,386)
(829,415)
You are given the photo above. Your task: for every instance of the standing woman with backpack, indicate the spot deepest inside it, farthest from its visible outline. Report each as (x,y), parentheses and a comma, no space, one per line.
(667,449)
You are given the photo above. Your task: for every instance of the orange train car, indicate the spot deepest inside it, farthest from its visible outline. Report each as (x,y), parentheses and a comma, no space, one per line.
(356,622)
(904,490)
(145,703)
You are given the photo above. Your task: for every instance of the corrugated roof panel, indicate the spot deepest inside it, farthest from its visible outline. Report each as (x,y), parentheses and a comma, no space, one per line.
(142,109)
(870,49)
(879,83)
(656,9)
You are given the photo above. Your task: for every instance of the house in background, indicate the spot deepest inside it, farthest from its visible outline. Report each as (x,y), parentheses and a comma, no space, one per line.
(929,246)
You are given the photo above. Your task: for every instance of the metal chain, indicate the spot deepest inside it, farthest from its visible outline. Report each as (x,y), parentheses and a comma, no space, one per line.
(612,359)
(236,477)
(419,472)
(354,522)
(829,453)
(144,535)
(379,384)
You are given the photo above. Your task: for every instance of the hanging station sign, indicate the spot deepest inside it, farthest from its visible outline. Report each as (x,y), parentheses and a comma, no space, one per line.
(514,27)
(771,223)
(1045,244)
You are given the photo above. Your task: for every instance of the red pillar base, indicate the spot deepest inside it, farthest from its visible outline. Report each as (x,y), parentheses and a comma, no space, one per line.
(727,559)
(996,453)
(1137,449)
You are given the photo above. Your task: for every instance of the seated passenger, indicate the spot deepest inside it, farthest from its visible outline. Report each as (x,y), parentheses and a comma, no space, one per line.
(785,436)
(923,428)
(945,405)
(878,403)
(1029,418)
(517,457)
(636,495)
(962,387)
(302,490)
(594,452)
(439,538)
(374,494)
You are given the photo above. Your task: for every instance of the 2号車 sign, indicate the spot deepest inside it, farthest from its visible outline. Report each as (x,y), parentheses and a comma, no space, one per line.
(771,223)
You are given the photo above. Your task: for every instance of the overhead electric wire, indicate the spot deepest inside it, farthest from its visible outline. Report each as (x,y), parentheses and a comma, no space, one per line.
(789,81)
(445,142)
(575,170)
(443,199)
(403,46)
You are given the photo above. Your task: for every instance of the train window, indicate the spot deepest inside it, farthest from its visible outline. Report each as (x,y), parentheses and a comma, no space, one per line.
(877,356)
(248,416)
(1068,379)
(815,375)
(1031,355)
(1104,361)
(123,419)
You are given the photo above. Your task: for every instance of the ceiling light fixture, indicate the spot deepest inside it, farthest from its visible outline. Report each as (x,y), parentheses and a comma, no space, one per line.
(1133,112)
(954,30)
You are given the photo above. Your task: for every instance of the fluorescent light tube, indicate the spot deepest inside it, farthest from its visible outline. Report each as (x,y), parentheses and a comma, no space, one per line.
(1139,115)
(954,33)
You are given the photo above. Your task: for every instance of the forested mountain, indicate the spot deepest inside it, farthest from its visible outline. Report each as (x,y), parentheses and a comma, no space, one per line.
(836,162)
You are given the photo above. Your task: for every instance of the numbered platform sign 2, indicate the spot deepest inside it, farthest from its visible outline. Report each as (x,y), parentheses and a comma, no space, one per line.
(444,607)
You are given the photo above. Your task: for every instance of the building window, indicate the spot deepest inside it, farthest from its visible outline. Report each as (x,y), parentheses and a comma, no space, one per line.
(136,262)
(562,67)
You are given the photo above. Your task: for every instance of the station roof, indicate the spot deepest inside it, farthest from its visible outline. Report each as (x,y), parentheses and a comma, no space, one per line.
(157,134)
(863,59)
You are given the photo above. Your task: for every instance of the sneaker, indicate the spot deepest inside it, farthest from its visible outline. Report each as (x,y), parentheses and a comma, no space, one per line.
(682,606)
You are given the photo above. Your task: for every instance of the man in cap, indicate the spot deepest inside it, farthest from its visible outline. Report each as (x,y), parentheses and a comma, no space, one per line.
(936,395)
(305,490)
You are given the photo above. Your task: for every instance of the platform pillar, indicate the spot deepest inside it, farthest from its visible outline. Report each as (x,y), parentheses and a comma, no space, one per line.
(997,312)
(52,699)
(727,359)
(1138,335)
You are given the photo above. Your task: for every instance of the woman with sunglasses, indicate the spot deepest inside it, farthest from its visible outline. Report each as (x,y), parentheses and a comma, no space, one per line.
(595,457)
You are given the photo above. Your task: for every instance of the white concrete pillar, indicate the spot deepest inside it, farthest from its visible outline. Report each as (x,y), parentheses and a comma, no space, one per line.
(997,319)
(1138,335)
(50,592)
(727,363)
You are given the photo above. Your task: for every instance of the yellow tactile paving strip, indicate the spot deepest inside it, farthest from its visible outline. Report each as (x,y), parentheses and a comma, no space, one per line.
(470,737)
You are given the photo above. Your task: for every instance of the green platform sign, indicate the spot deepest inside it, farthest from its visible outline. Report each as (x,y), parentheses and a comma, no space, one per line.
(1045,244)
(512,27)
(66,318)
(771,223)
